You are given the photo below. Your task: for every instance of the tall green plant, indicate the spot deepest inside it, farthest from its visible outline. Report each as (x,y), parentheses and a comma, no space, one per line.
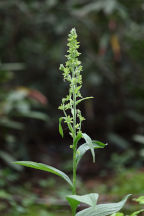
(73,119)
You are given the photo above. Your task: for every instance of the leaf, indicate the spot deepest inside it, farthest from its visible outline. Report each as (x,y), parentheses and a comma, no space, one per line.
(86,98)
(73,204)
(89,199)
(78,137)
(85,147)
(140,200)
(60,126)
(103,209)
(90,144)
(99,144)
(75,200)
(46,168)
(137,212)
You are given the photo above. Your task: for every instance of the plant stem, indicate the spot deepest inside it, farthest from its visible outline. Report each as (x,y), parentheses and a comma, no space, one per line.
(74,136)
(74,170)
(74,152)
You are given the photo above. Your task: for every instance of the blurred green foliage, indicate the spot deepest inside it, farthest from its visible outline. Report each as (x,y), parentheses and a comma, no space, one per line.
(130,181)
(16,104)
(140,200)
(36,197)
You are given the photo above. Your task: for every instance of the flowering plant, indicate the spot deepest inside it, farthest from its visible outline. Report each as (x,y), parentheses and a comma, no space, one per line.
(73,119)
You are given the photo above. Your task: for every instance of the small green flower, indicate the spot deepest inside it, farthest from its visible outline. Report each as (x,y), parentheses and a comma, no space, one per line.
(68,119)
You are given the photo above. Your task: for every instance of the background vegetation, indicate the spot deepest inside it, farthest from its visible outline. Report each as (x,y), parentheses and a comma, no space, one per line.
(32,45)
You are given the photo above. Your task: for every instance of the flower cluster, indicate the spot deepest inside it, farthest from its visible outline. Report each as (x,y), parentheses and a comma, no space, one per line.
(72,74)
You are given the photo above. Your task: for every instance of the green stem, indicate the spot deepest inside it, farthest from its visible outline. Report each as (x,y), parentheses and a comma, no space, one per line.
(74,136)
(73,212)
(74,170)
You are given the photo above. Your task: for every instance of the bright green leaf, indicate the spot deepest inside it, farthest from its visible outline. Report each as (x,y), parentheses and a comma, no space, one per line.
(140,200)
(85,147)
(73,204)
(89,199)
(99,144)
(60,126)
(90,144)
(103,209)
(46,168)
(75,200)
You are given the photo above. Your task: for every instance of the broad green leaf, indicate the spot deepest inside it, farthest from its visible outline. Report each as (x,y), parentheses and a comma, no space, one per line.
(90,144)
(89,199)
(103,209)
(80,100)
(137,212)
(75,200)
(60,126)
(46,168)
(85,147)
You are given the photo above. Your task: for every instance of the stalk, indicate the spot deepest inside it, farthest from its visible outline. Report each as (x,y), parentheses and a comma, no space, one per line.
(74,136)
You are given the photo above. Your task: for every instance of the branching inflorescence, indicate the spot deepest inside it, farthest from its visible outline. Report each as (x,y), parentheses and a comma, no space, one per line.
(72,74)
